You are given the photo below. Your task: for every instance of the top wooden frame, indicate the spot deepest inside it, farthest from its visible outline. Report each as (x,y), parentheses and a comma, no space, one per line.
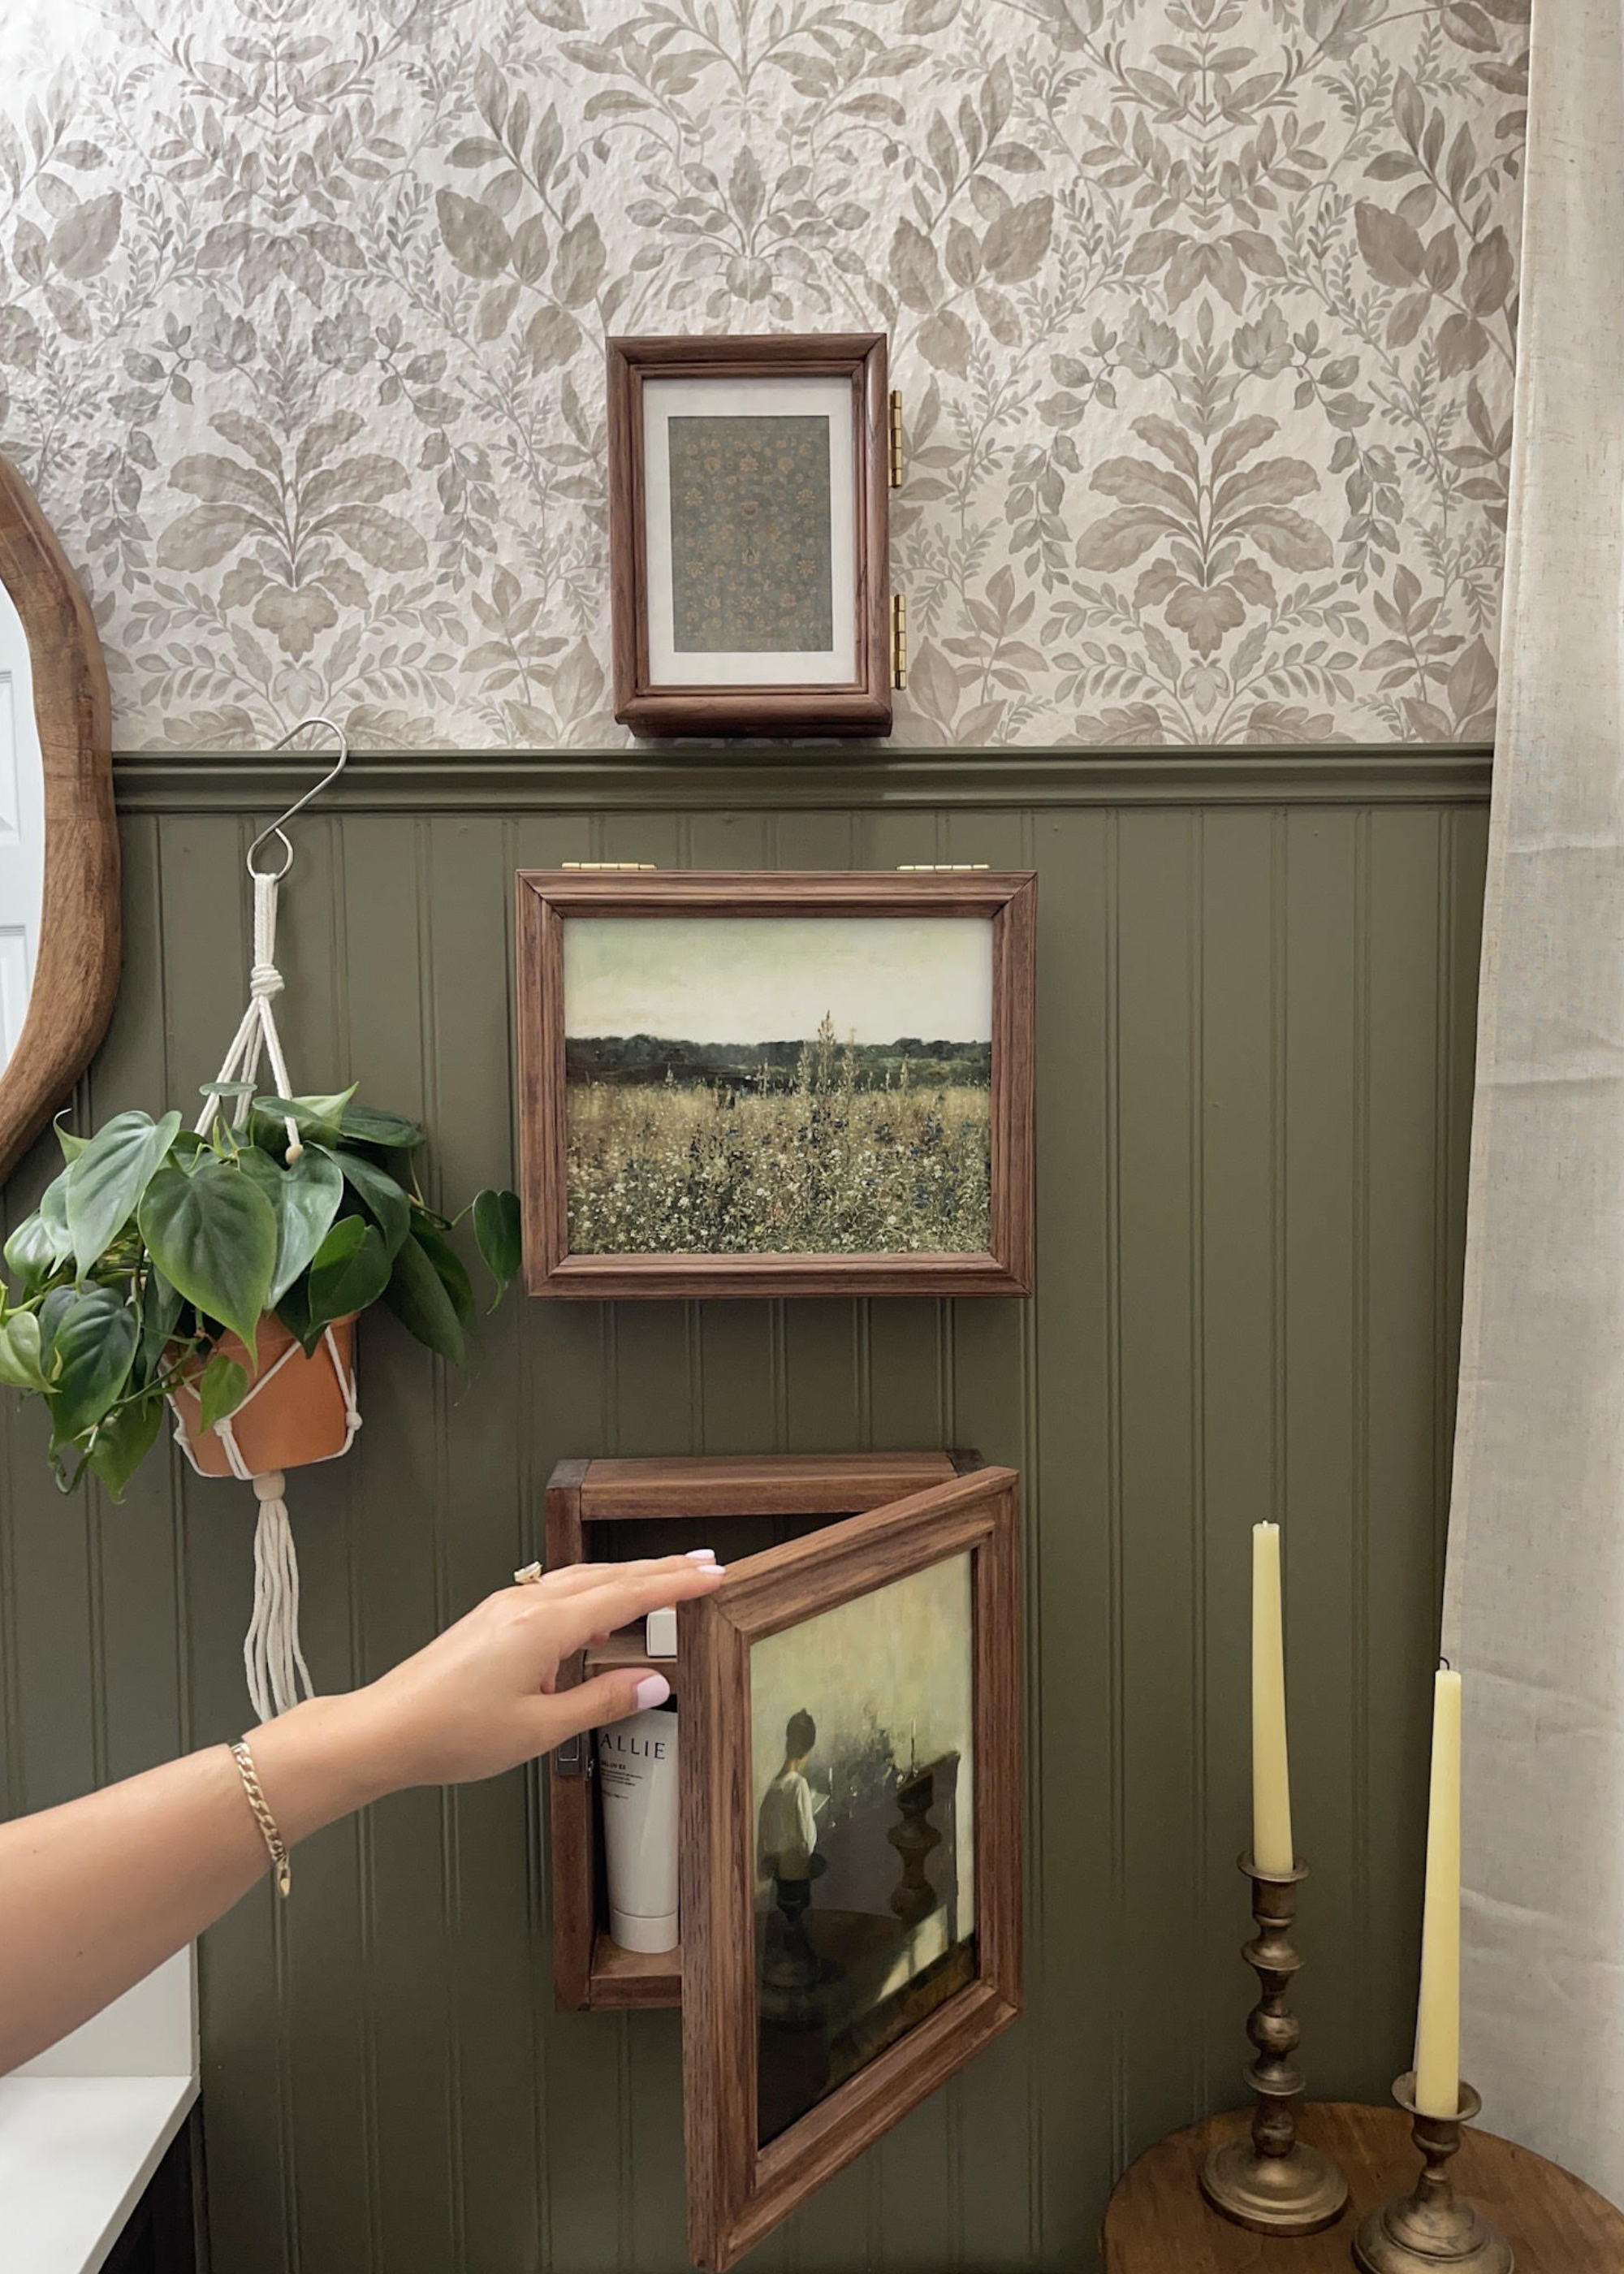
(546,898)
(862,706)
(76,970)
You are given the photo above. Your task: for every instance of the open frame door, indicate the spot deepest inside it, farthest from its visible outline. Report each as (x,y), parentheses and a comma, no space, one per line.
(851,1884)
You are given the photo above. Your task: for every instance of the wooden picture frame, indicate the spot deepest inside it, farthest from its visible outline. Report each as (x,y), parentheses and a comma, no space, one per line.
(75,970)
(679,581)
(610,1509)
(604,1266)
(738,2188)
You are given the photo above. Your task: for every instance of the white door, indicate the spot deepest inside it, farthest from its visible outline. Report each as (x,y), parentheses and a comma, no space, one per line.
(22,828)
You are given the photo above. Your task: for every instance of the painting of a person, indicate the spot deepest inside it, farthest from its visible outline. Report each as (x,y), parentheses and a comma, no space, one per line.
(786,1829)
(786,1842)
(861,1831)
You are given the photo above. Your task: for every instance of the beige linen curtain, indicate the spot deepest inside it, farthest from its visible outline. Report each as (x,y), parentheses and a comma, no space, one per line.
(1534,1609)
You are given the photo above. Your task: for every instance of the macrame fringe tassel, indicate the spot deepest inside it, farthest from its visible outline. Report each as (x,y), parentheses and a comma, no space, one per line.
(272,1659)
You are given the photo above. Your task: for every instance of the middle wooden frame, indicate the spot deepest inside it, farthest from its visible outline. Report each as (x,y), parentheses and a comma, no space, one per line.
(930,1130)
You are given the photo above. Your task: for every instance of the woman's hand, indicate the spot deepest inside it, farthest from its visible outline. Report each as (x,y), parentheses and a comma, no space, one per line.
(94,1893)
(481,1697)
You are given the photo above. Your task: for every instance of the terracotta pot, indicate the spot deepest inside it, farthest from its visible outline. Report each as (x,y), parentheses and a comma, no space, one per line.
(297,1415)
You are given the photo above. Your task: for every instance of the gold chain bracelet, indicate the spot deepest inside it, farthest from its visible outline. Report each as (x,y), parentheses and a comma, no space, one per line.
(266,1822)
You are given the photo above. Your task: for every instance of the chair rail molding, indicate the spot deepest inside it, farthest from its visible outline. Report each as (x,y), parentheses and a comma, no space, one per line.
(702,776)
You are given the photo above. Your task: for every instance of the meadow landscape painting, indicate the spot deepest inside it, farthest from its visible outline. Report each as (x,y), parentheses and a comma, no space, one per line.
(777,1084)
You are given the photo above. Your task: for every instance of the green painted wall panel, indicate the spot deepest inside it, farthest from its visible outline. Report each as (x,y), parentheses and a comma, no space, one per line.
(1256,1007)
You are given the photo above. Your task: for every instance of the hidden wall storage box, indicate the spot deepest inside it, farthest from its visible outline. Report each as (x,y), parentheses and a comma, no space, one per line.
(760,1082)
(748,489)
(849,1701)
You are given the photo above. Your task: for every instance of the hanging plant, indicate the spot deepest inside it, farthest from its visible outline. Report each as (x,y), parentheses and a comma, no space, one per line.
(223,1267)
(159,1259)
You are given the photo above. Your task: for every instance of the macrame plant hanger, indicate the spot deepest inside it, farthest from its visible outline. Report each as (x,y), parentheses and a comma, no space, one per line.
(272,1659)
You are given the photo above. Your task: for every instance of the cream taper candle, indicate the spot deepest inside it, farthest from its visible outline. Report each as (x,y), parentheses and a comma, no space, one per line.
(1438,2022)
(1271,1850)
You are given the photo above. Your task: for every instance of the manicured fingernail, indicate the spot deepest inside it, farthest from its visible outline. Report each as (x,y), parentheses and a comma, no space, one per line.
(701,1555)
(653,1689)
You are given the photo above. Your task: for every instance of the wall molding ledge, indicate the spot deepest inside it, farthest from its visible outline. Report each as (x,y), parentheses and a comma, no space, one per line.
(696,776)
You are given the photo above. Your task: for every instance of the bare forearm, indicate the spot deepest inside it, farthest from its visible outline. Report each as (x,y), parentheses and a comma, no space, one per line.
(94,1894)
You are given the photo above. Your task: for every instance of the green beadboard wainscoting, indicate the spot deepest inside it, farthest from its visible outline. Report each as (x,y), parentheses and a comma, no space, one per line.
(1255,990)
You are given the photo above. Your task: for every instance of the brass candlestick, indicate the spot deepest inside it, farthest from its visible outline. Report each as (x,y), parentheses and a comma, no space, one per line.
(1432,2228)
(1267,2179)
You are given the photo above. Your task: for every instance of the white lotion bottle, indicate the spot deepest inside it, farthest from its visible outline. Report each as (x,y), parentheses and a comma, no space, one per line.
(637,1784)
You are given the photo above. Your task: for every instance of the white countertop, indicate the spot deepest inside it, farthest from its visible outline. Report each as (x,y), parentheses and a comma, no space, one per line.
(83,2128)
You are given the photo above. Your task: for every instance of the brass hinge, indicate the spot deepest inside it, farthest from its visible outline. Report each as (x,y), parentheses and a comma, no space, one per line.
(939,868)
(895,417)
(598,867)
(898,639)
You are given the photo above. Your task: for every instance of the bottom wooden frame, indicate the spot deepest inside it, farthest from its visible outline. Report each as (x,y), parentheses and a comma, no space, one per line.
(604,1509)
(737,2190)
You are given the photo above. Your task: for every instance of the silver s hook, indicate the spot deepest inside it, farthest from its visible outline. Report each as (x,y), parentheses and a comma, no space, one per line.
(279,828)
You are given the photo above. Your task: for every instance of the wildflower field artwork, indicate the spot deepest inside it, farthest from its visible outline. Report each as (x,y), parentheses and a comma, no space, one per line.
(778,1085)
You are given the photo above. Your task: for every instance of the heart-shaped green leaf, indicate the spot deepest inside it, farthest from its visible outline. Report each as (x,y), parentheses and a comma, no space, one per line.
(213,1234)
(317,1119)
(384,1198)
(222,1386)
(297,1310)
(20,1357)
(367,1125)
(417,1295)
(71,1146)
(342,1242)
(294,1312)
(105,1180)
(50,1314)
(123,1441)
(300,1310)
(92,1351)
(498,1229)
(54,1215)
(159,1310)
(305,1197)
(452,1269)
(31,1252)
(340,1284)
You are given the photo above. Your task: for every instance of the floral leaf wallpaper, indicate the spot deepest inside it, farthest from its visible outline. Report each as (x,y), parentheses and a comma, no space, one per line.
(1204,312)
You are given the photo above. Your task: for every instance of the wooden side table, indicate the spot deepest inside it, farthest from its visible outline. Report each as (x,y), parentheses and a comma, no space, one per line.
(1158,2222)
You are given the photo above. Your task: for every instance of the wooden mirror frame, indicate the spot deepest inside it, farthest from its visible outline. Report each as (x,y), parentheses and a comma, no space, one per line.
(76,968)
